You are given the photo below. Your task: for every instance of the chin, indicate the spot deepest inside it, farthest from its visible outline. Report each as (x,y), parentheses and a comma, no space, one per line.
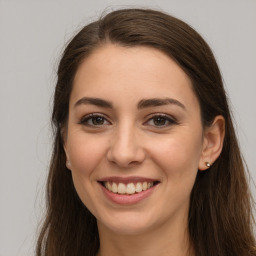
(128,224)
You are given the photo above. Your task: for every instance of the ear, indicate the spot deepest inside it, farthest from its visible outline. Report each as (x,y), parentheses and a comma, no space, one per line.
(212,143)
(68,164)
(64,142)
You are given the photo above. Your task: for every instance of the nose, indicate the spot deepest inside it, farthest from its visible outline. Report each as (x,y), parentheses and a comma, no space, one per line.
(126,148)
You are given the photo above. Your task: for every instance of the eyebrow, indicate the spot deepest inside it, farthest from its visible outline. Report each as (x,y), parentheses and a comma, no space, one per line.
(144,103)
(155,102)
(94,101)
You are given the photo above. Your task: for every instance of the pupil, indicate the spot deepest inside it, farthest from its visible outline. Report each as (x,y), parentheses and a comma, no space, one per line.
(159,121)
(98,120)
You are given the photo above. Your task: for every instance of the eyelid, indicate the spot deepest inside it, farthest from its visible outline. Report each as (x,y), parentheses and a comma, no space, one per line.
(162,115)
(172,120)
(87,117)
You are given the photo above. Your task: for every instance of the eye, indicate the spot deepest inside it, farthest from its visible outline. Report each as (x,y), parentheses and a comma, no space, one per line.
(94,120)
(160,120)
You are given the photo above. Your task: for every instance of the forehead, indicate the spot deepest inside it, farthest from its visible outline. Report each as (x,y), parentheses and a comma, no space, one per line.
(135,72)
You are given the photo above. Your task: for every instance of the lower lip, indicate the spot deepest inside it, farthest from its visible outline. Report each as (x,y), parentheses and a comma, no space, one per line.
(127,199)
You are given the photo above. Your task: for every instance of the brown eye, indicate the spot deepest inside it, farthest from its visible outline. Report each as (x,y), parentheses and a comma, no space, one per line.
(160,120)
(97,120)
(94,120)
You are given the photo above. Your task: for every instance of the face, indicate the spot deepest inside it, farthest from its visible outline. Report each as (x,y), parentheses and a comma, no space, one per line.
(134,138)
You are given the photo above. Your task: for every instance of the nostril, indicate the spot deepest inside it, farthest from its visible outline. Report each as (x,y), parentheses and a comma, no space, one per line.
(124,163)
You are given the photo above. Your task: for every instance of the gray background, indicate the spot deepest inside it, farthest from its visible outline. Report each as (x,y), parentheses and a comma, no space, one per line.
(32,36)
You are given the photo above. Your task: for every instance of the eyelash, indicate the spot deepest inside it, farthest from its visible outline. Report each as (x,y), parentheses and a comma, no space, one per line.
(163,117)
(88,120)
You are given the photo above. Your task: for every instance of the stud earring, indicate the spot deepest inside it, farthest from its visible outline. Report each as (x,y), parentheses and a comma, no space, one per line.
(207,164)
(68,163)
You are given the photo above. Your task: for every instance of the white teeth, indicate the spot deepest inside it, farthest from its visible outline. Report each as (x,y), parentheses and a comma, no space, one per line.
(114,188)
(130,188)
(138,187)
(108,186)
(121,189)
(144,185)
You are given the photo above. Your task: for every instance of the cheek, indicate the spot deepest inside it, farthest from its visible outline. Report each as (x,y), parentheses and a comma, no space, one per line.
(178,156)
(85,153)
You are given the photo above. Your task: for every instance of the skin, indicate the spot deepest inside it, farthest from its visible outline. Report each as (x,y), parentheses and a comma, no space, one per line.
(130,141)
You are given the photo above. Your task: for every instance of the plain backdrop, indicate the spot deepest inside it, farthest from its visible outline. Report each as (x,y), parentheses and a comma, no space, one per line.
(32,36)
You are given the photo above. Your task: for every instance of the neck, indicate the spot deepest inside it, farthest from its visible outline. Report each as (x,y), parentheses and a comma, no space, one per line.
(170,239)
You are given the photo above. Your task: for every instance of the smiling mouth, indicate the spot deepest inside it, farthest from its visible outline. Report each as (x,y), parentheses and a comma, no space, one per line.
(129,188)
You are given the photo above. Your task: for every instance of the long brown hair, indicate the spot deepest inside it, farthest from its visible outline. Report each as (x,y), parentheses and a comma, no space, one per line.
(220,215)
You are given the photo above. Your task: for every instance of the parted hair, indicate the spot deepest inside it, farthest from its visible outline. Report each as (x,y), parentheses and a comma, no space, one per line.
(220,214)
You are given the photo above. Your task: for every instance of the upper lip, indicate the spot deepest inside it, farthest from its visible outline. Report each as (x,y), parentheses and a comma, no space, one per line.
(126,180)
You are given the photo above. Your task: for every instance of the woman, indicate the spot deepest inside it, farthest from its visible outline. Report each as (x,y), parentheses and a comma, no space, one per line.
(145,158)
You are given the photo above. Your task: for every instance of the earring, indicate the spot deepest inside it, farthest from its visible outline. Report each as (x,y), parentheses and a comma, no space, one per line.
(208,164)
(68,163)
